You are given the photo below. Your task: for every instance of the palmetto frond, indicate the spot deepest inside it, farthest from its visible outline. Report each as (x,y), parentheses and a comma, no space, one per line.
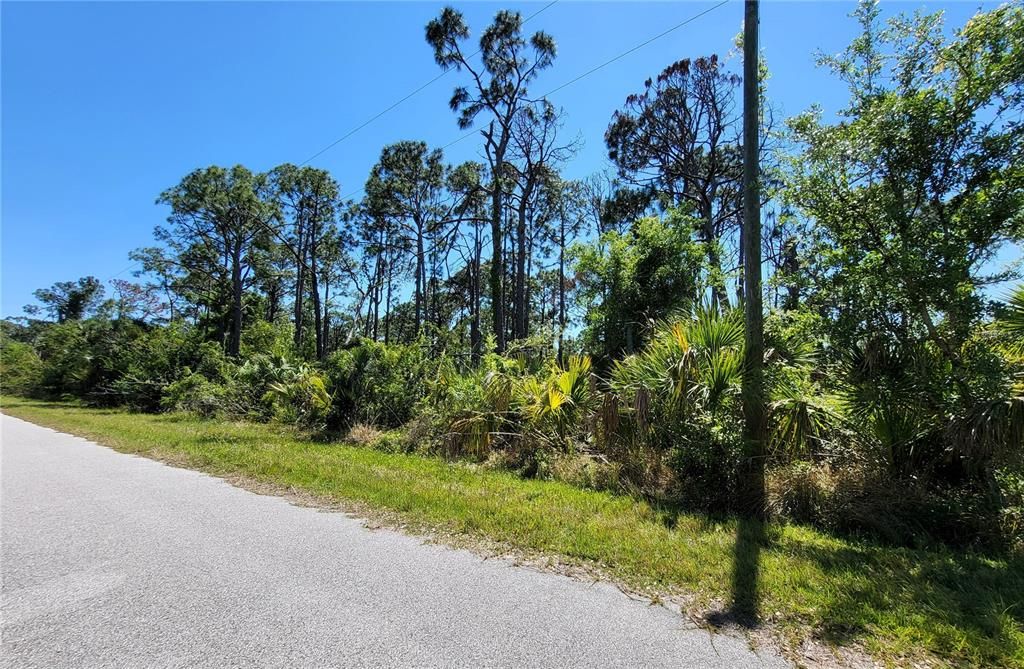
(697,358)
(1011,321)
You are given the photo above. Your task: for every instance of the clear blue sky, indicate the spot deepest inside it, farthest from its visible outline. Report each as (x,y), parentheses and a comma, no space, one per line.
(106,104)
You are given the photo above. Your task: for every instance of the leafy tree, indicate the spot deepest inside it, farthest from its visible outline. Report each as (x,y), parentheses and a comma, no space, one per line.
(921,182)
(308,200)
(406,186)
(466,182)
(680,138)
(508,64)
(20,367)
(137,301)
(537,156)
(568,202)
(156,263)
(630,281)
(384,260)
(69,300)
(218,225)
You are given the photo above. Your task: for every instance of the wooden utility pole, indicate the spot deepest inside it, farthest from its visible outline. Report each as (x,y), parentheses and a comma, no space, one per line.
(753,374)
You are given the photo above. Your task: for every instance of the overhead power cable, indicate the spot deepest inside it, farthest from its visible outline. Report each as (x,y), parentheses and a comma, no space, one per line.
(374,118)
(592,70)
(122,271)
(636,48)
(572,81)
(400,101)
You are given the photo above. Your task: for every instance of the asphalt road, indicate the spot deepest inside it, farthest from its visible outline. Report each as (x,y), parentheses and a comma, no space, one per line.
(118,561)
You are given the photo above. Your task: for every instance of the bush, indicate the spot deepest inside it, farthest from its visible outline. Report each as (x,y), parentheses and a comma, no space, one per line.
(301,398)
(527,415)
(377,383)
(1010,492)
(251,384)
(151,359)
(196,394)
(68,368)
(586,471)
(21,369)
(679,398)
(863,500)
(267,339)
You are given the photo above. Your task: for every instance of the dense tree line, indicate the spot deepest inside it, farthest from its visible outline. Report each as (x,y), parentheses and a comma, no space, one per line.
(592,329)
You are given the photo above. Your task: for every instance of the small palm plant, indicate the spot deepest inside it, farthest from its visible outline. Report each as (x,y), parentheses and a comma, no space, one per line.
(563,400)
(800,419)
(476,409)
(300,395)
(692,364)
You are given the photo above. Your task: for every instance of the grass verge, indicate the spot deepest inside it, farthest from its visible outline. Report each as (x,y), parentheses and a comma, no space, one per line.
(954,608)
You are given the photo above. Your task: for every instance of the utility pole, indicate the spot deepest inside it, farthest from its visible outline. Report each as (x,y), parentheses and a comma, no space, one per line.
(753,331)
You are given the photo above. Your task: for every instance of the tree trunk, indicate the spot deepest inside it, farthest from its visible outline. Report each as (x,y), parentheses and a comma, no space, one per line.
(561,293)
(475,337)
(300,285)
(420,271)
(314,291)
(235,337)
(718,291)
(497,277)
(387,303)
(527,288)
(326,319)
(519,324)
(739,279)
(273,302)
(497,249)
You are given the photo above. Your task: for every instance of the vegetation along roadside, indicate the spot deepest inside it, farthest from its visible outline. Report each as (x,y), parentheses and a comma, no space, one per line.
(897,603)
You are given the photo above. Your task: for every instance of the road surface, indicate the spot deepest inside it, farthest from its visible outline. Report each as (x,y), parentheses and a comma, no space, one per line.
(118,561)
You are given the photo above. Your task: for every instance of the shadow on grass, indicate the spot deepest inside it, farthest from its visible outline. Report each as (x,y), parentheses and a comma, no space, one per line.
(972,602)
(744,605)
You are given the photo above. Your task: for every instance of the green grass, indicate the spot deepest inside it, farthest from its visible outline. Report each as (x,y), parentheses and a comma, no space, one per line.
(962,608)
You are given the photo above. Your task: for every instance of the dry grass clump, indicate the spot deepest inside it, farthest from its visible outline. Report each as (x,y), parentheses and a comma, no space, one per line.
(363,434)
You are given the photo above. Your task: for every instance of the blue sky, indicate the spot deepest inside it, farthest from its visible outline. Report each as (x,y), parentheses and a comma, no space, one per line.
(104,105)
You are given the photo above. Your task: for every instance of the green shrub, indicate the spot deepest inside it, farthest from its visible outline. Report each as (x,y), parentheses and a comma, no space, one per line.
(1010,494)
(267,339)
(679,397)
(251,383)
(151,359)
(392,441)
(21,369)
(377,383)
(196,394)
(504,406)
(301,398)
(65,349)
(470,414)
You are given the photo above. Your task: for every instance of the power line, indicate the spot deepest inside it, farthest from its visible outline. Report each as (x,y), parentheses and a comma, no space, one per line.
(375,117)
(399,102)
(550,92)
(451,143)
(592,70)
(637,47)
(119,273)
